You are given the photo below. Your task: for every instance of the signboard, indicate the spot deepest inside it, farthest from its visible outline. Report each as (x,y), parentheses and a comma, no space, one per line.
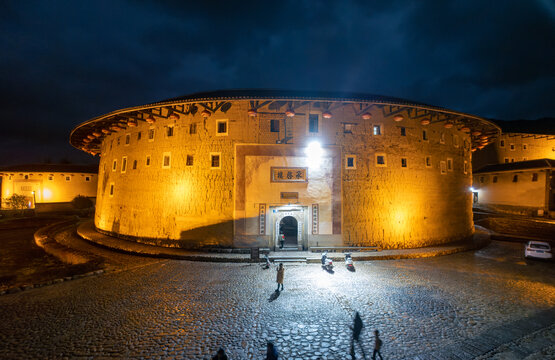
(262,218)
(288,174)
(314,219)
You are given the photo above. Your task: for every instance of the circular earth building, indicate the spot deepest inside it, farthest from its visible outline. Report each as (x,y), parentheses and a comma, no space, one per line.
(268,168)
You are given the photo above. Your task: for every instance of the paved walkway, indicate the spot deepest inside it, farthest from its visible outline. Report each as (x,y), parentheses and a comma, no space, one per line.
(87,231)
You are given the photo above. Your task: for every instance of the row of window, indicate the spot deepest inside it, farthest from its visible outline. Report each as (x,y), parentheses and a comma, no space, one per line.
(508,160)
(380,160)
(512,147)
(51,177)
(313,121)
(215,162)
(494,179)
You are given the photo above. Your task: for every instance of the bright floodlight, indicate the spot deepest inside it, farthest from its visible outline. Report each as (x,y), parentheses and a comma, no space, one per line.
(314,154)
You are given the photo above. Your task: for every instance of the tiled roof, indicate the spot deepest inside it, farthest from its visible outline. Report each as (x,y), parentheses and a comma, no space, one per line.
(520,165)
(238,94)
(51,168)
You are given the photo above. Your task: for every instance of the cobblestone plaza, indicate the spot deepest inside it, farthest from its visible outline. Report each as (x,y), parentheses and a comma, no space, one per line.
(182,309)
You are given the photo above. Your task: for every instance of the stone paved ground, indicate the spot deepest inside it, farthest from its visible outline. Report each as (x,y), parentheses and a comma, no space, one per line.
(187,310)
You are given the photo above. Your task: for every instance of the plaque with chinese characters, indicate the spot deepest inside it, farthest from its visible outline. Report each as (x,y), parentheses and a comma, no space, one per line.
(288,174)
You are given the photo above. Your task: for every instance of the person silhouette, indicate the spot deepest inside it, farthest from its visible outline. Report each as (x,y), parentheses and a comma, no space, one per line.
(279,278)
(271,352)
(220,355)
(357,329)
(377,345)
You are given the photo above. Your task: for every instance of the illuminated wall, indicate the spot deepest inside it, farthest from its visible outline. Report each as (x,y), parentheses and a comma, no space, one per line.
(48,187)
(515,147)
(523,191)
(165,190)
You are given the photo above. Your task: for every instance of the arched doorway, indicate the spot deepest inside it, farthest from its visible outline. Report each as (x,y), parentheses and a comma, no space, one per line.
(288,226)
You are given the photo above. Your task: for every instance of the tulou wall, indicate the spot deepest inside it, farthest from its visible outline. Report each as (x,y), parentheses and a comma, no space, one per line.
(196,181)
(515,147)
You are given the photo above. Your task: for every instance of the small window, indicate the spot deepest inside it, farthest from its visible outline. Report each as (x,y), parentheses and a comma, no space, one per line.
(111,189)
(215,161)
(442,138)
(481,179)
(380,160)
(535,177)
(524,158)
(443,167)
(466,167)
(134,164)
(193,128)
(425,135)
(169,131)
(506,160)
(377,130)
(87,178)
(111,144)
(50,177)
(127,139)
(124,164)
(190,160)
(139,135)
(166,160)
(221,127)
(524,146)
(348,128)
(274,126)
(512,147)
(403,131)
(512,160)
(494,180)
(147,160)
(515,178)
(403,162)
(114,165)
(351,162)
(151,134)
(26,177)
(449,164)
(502,143)
(428,161)
(313,123)
(68,178)
(118,140)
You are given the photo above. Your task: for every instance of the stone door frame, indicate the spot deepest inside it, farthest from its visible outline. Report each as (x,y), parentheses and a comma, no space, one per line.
(298,212)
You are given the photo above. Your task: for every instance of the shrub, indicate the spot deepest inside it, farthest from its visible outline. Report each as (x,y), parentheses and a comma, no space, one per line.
(17,202)
(81,202)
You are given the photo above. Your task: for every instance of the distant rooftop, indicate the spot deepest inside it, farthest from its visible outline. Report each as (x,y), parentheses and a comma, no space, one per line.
(51,168)
(520,165)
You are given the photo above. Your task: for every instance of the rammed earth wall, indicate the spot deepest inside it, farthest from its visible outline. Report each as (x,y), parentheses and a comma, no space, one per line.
(363,203)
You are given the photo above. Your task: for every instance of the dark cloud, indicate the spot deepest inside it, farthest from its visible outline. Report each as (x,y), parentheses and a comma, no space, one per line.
(64,62)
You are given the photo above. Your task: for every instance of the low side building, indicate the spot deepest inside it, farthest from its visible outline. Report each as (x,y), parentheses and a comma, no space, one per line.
(524,187)
(48,187)
(512,147)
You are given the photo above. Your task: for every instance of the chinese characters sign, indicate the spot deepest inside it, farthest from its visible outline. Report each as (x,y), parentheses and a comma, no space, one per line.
(288,174)
(262,218)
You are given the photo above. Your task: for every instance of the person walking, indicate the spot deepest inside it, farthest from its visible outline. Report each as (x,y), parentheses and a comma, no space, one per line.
(377,345)
(271,352)
(279,279)
(357,329)
(220,355)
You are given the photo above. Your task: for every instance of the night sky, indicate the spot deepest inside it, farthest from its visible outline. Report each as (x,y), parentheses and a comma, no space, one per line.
(64,62)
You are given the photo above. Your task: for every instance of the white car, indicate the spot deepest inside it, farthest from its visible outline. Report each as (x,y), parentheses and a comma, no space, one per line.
(538,249)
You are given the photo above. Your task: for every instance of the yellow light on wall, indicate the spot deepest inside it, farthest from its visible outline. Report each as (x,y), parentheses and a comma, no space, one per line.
(46,194)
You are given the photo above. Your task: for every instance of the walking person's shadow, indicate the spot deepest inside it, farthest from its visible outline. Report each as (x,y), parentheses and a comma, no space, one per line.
(274,296)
